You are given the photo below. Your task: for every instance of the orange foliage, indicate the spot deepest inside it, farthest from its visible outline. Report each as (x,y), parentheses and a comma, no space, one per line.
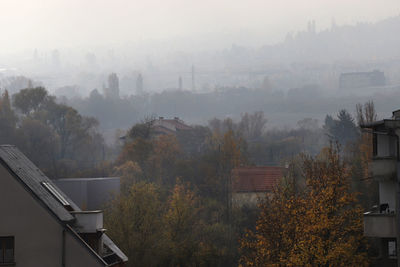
(321,226)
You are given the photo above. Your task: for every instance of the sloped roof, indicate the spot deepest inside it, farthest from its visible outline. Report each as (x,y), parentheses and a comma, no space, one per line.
(256,179)
(32,177)
(168,126)
(109,243)
(160,129)
(178,124)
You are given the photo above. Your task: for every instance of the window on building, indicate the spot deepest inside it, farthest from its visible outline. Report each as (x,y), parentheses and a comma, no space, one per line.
(7,249)
(392,249)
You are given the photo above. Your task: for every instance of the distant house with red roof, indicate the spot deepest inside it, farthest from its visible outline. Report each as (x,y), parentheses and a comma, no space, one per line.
(161,126)
(249,184)
(169,126)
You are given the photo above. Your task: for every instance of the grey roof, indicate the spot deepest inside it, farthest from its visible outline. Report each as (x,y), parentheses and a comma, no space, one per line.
(387,123)
(32,177)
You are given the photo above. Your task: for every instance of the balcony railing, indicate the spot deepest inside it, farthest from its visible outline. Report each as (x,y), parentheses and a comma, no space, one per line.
(379,224)
(384,168)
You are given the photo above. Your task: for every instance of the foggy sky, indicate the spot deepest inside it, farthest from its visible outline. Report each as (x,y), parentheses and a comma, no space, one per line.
(49,24)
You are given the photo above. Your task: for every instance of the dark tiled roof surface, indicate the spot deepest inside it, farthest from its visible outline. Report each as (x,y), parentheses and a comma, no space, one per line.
(256,179)
(32,177)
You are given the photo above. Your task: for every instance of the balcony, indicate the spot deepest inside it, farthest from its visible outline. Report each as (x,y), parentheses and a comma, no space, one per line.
(379,224)
(88,221)
(384,168)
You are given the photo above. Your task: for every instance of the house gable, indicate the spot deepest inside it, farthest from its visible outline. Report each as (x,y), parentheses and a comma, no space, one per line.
(37,232)
(39,222)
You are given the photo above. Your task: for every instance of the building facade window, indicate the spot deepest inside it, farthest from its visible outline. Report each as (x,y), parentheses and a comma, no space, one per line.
(7,249)
(392,253)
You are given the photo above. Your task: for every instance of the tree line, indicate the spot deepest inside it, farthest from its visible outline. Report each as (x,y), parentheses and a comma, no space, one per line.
(56,137)
(175,208)
(175,204)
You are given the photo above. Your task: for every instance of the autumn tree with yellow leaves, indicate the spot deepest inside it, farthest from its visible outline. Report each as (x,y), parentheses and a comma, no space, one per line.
(182,227)
(321,225)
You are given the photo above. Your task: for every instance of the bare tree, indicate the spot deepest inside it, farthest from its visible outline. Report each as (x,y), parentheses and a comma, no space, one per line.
(252,125)
(366,113)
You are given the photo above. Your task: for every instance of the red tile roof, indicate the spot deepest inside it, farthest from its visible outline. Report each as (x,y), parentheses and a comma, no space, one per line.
(178,124)
(166,126)
(256,179)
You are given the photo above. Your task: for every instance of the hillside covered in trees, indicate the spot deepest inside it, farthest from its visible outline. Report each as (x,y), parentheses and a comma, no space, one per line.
(175,203)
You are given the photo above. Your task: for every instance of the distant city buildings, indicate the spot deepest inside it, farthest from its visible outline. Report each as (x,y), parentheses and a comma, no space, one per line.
(180,83)
(55,58)
(362,79)
(112,91)
(139,84)
(311,27)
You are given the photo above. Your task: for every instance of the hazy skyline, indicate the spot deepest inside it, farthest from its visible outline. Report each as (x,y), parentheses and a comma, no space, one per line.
(50,24)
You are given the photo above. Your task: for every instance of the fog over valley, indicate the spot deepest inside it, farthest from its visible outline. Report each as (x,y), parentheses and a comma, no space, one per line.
(199,133)
(297,77)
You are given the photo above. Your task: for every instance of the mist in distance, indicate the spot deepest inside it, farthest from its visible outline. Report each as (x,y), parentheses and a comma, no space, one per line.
(201,59)
(71,24)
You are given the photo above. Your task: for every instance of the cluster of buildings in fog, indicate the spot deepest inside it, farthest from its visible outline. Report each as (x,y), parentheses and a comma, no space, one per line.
(306,58)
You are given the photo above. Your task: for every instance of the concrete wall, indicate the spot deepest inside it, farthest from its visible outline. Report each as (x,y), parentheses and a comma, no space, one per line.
(384,169)
(250,199)
(75,190)
(101,191)
(90,193)
(379,225)
(38,235)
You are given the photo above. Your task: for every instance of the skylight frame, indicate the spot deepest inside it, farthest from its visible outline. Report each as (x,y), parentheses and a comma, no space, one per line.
(52,190)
